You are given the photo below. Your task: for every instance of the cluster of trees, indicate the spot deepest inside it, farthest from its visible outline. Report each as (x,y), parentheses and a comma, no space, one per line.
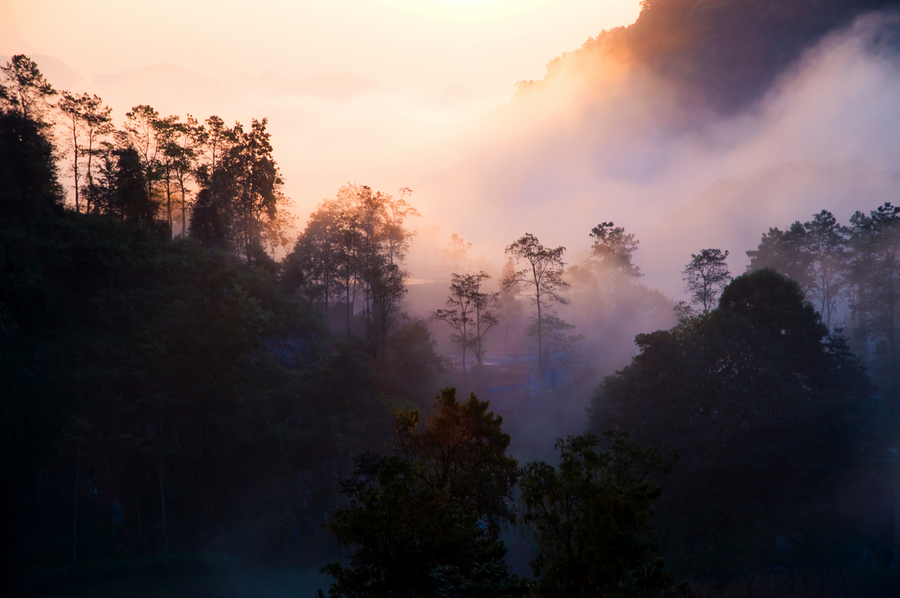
(156,171)
(598,294)
(353,248)
(166,393)
(426,520)
(471,312)
(771,413)
(852,274)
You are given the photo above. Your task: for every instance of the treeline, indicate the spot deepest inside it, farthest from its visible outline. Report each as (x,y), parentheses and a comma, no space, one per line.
(726,53)
(851,273)
(164,386)
(158,171)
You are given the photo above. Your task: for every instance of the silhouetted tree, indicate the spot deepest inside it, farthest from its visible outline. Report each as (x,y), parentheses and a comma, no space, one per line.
(705,276)
(591,520)
(87,123)
(764,403)
(356,244)
(28,176)
(875,272)
(25,91)
(543,273)
(140,132)
(432,512)
(826,248)
(471,313)
(240,206)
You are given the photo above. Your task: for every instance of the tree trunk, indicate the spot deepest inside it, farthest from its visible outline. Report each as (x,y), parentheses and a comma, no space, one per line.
(540,339)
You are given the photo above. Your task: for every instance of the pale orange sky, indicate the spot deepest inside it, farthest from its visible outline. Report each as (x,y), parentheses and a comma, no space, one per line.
(486,45)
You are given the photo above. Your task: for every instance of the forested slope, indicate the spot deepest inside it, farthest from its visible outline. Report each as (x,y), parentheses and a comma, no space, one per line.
(724,54)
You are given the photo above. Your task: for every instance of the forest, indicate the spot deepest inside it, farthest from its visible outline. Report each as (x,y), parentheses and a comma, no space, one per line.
(197,387)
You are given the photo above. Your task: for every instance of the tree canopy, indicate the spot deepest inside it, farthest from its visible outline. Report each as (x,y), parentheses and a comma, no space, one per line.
(764,403)
(431,513)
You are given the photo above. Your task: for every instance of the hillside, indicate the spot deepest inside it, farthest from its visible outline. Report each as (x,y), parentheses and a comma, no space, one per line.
(724,54)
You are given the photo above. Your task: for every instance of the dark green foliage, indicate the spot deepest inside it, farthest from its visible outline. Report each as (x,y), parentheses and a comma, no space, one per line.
(875,273)
(409,364)
(240,204)
(591,520)
(426,520)
(766,406)
(28,186)
(123,194)
(783,251)
(187,369)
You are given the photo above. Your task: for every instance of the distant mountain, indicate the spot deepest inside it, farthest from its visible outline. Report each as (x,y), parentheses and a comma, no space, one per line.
(724,53)
(58,73)
(456,94)
(156,83)
(335,86)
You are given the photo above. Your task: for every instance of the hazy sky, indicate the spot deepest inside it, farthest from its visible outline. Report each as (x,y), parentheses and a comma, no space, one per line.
(486,45)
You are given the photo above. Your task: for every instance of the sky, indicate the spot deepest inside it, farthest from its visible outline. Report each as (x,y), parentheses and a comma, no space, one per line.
(486,45)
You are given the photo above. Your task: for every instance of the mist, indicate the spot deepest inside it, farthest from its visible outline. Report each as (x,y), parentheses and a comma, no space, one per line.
(598,139)
(625,146)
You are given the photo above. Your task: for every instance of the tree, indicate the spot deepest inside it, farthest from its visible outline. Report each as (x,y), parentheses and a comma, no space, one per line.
(356,244)
(766,406)
(312,268)
(29,188)
(591,520)
(875,273)
(140,132)
(706,275)
(611,255)
(430,512)
(556,338)
(87,123)
(613,249)
(260,218)
(122,190)
(167,131)
(25,91)
(825,245)
(185,149)
(454,258)
(215,141)
(813,253)
(543,272)
(471,313)
(240,207)
(783,251)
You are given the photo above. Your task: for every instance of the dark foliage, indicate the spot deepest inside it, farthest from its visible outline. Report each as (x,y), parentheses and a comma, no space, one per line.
(426,520)
(766,406)
(591,520)
(28,186)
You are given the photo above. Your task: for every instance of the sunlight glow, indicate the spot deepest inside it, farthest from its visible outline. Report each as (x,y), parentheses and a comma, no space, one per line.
(468,10)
